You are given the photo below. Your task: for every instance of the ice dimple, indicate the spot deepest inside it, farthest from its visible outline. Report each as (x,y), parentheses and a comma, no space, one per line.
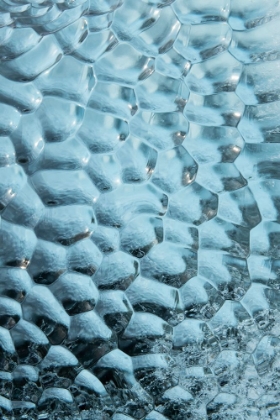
(161,93)
(202,41)
(158,37)
(130,65)
(200,11)
(218,74)
(175,170)
(162,130)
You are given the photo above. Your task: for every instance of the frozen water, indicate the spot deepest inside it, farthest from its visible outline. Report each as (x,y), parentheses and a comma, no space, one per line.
(139,209)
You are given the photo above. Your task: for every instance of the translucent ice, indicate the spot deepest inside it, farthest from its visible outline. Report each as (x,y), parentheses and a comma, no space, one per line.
(139,209)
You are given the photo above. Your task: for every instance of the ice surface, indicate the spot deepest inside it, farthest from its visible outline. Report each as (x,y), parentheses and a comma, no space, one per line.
(139,209)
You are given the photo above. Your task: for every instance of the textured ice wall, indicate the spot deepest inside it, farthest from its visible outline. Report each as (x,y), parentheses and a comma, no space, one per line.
(140,208)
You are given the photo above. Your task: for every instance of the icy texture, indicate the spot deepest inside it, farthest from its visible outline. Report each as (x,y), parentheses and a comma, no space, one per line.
(140,209)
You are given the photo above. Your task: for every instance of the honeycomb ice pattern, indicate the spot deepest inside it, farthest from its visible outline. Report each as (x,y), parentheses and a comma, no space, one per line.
(140,209)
